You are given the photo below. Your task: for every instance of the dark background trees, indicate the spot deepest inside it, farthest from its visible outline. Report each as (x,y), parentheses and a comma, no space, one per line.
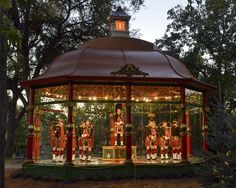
(3,96)
(203,34)
(8,34)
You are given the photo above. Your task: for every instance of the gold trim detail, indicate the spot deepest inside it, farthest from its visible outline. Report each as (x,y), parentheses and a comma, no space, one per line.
(129,70)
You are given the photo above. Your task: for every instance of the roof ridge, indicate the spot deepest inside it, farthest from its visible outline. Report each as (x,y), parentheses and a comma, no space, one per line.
(80,55)
(166,56)
(192,76)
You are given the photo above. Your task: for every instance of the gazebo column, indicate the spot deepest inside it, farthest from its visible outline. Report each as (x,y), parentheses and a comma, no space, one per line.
(204,122)
(30,139)
(128,126)
(188,135)
(37,136)
(69,134)
(183,126)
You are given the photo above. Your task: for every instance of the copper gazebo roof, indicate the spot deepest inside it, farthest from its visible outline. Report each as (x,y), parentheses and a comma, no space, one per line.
(117,59)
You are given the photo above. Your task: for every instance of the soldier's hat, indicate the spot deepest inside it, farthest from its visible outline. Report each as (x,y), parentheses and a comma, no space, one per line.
(151,115)
(59,123)
(119,106)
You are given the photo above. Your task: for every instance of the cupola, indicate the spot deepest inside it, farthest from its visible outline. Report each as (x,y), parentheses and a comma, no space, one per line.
(119,23)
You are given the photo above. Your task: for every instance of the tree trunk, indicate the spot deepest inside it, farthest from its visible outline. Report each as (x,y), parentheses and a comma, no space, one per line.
(10,141)
(3,100)
(12,125)
(14,115)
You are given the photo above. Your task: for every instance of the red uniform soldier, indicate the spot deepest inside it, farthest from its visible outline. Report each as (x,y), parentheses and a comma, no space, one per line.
(57,136)
(119,125)
(86,140)
(165,134)
(151,141)
(176,140)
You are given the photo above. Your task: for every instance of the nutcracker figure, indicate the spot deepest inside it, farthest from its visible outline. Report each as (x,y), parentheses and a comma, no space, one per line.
(119,125)
(164,139)
(86,140)
(151,141)
(176,140)
(57,136)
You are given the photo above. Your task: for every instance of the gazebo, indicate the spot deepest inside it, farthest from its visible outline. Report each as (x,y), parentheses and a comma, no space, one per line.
(116,69)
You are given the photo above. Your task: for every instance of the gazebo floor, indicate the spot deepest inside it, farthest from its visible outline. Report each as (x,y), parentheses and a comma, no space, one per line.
(102,170)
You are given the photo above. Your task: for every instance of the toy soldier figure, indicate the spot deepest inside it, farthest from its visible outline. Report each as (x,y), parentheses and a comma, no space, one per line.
(119,125)
(152,139)
(86,141)
(165,134)
(57,141)
(176,140)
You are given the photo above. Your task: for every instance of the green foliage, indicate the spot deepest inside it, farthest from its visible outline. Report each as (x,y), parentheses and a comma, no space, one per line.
(221,157)
(11,32)
(203,35)
(8,28)
(5,4)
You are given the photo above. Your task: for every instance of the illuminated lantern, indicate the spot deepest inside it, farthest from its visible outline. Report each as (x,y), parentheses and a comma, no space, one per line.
(119,23)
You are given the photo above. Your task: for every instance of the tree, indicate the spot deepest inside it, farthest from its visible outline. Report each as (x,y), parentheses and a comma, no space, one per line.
(221,157)
(3,98)
(7,33)
(48,29)
(203,34)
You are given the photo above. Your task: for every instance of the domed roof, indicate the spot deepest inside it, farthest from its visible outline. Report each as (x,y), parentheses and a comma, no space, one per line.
(113,59)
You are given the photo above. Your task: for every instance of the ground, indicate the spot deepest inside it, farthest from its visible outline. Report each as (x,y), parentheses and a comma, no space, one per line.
(15,180)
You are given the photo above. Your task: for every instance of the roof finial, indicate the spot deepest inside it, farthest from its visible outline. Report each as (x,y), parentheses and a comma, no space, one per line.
(119,23)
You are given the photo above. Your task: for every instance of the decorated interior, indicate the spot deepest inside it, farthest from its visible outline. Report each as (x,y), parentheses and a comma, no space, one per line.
(99,120)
